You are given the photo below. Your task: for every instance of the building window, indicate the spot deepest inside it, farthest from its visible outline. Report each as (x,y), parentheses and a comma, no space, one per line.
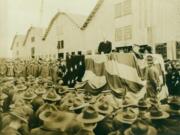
(60,44)
(127,7)
(123,8)
(127,33)
(32,39)
(119,34)
(162,49)
(123,33)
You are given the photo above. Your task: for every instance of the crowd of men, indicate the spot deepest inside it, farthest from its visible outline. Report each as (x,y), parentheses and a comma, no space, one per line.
(173,76)
(34,101)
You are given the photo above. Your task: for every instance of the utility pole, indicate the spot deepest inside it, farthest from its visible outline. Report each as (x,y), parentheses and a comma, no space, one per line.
(41,12)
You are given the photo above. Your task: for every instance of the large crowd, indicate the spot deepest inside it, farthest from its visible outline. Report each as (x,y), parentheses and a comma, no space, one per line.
(34,101)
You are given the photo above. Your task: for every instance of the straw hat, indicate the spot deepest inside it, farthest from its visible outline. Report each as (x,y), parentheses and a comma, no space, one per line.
(89,115)
(139,127)
(51,96)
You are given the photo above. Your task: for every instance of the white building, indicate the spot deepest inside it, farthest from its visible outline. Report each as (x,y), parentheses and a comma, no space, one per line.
(123,22)
(63,30)
(17,46)
(127,22)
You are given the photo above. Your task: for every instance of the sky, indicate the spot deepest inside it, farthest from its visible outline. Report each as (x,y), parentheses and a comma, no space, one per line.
(16,16)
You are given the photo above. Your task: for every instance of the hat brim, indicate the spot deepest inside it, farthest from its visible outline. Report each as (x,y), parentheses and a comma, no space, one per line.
(94,120)
(122,119)
(21,118)
(21,89)
(108,111)
(151,131)
(57,98)
(3,96)
(40,92)
(29,98)
(78,107)
(163,116)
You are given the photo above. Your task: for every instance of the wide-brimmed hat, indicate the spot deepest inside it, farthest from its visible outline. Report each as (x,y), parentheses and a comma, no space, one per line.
(119,92)
(90,115)
(174,100)
(128,102)
(57,119)
(20,114)
(88,98)
(40,91)
(62,120)
(143,103)
(103,107)
(2,95)
(140,128)
(80,84)
(17,103)
(62,91)
(51,96)
(156,113)
(171,110)
(78,103)
(29,95)
(48,115)
(127,116)
(21,87)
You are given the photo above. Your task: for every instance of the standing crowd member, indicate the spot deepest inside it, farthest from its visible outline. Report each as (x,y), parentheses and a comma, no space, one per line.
(152,77)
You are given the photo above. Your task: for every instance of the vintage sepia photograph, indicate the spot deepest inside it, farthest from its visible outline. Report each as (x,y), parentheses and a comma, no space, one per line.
(89,67)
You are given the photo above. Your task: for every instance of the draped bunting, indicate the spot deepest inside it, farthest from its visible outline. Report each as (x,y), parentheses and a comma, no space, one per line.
(116,70)
(120,70)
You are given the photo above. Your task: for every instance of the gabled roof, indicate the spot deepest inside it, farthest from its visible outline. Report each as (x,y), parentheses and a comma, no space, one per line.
(28,32)
(74,18)
(19,37)
(92,14)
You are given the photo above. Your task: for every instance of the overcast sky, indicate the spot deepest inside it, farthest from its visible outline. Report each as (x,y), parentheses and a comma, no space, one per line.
(16,16)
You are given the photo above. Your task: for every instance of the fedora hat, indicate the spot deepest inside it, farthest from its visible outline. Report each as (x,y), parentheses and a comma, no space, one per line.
(2,95)
(40,91)
(20,114)
(127,116)
(89,115)
(156,113)
(78,103)
(28,95)
(139,127)
(103,108)
(51,96)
